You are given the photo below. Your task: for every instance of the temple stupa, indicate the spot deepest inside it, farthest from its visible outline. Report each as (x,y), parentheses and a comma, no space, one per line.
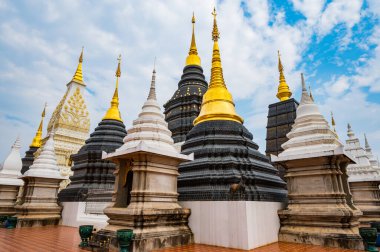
(231,188)
(320,209)
(39,205)
(71,123)
(92,183)
(374,162)
(145,197)
(364,180)
(281,117)
(9,181)
(184,106)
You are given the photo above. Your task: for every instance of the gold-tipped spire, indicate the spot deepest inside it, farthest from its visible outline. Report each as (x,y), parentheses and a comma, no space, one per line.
(283,92)
(37,140)
(78,76)
(113,113)
(193,58)
(310,94)
(217,102)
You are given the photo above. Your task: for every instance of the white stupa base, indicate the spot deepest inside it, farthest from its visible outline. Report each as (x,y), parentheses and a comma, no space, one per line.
(234,224)
(74,215)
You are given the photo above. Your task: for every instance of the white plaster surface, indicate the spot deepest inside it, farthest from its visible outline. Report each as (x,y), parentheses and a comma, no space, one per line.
(11,169)
(73,215)
(234,224)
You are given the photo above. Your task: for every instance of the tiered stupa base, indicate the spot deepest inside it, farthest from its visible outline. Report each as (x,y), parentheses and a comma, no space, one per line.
(320,211)
(40,206)
(366,196)
(8,196)
(153,228)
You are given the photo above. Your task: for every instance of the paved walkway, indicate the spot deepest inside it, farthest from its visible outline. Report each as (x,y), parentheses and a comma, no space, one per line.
(61,238)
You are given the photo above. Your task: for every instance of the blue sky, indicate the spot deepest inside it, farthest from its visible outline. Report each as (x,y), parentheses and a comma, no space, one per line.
(334,43)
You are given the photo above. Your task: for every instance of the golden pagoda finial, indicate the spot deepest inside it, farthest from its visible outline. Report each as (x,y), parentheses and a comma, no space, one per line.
(284,92)
(311,95)
(217,102)
(78,76)
(113,113)
(37,140)
(193,58)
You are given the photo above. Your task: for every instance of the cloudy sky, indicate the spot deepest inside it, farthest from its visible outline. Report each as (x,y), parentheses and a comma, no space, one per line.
(335,43)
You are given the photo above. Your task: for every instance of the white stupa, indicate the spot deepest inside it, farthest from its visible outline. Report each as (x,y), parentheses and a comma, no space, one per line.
(9,181)
(11,169)
(39,204)
(146,197)
(364,169)
(315,171)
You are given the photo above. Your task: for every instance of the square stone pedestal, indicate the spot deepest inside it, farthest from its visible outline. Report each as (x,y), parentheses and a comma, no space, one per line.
(8,196)
(366,196)
(234,224)
(40,206)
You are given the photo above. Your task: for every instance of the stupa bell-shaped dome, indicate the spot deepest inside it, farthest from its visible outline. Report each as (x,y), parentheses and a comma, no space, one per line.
(45,165)
(13,164)
(150,131)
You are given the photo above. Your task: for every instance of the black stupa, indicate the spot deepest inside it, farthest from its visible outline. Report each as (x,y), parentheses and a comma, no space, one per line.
(36,144)
(93,177)
(281,116)
(184,106)
(227,164)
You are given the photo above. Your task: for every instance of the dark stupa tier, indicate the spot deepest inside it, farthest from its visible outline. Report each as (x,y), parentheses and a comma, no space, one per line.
(227,166)
(184,106)
(281,117)
(91,173)
(28,159)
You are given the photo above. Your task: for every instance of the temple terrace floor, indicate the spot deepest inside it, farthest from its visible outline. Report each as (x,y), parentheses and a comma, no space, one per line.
(63,238)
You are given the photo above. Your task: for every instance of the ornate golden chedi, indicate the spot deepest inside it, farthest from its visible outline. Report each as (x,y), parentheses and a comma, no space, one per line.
(70,122)
(37,140)
(193,58)
(113,113)
(217,102)
(283,89)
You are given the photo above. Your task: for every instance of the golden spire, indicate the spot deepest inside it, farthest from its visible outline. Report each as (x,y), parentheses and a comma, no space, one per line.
(311,95)
(193,58)
(78,76)
(113,113)
(217,102)
(283,89)
(37,140)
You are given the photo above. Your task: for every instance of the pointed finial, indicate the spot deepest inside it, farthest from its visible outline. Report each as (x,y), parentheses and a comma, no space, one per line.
(17,143)
(193,58)
(215,31)
(37,140)
(152,91)
(283,92)
(113,113)
(78,76)
(305,98)
(310,94)
(350,133)
(366,141)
